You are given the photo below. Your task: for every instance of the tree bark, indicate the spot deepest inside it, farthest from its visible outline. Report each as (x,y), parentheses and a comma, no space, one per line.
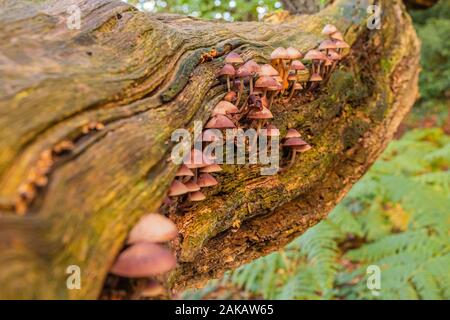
(139,76)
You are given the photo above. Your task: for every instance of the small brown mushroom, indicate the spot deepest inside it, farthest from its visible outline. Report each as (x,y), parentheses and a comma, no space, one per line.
(329,29)
(153,227)
(233,58)
(184,171)
(229,72)
(230,97)
(294,144)
(206,180)
(192,186)
(196,196)
(224,108)
(292,133)
(254,69)
(219,121)
(337,36)
(177,188)
(260,115)
(143,260)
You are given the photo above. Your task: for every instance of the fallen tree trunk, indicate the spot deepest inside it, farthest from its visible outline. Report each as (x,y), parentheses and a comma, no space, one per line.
(120,85)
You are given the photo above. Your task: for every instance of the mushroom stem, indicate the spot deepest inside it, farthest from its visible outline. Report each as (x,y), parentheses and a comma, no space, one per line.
(241,90)
(292,91)
(293,158)
(228,83)
(251,84)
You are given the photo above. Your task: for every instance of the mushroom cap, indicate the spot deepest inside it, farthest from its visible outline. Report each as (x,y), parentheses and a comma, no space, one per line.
(298,86)
(144,260)
(297,65)
(225,107)
(337,36)
(227,70)
(316,78)
(211,168)
(196,196)
(328,62)
(252,66)
(230,96)
(314,55)
(192,186)
(278,79)
(210,135)
(272,131)
(177,188)
(279,53)
(268,71)
(293,53)
(293,142)
(265,82)
(243,72)
(219,121)
(329,29)
(206,180)
(303,148)
(292,133)
(333,55)
(260,114)
(233,57)
(184,171)
(341,44)
(279,86)
(153,227)
(327,44)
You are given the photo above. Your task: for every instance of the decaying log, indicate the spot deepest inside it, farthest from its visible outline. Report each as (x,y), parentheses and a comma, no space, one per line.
(115,90)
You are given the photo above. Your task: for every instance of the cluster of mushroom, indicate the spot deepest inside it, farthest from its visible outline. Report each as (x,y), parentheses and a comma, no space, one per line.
(145,255)
(193,175)
(38,176)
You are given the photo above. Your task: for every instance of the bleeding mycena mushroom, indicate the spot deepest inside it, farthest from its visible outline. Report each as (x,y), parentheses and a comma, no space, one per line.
(260,116)
(292,54)
(316,57)
(264,83)
(337,36)
(340,45)
(196,196)
(234,59)
(230,97)
(254,69)
(295,145)
(292,133)
(206,180)
(184,171)
(329,29)
(177,188)
(153,227)
(144,260)
(219,121)
(327,45)
(229,72)
(277,57)
(243,73)
(192,186)
(224,108)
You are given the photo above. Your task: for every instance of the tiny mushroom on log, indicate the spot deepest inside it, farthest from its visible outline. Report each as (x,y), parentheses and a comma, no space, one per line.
(153,227)
(295,144)
(229,72)
(144,259)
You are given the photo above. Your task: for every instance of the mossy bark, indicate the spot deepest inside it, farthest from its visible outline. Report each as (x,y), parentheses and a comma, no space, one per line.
(139,76)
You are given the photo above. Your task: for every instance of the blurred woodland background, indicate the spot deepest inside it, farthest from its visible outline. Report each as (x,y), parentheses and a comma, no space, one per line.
(396,217)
